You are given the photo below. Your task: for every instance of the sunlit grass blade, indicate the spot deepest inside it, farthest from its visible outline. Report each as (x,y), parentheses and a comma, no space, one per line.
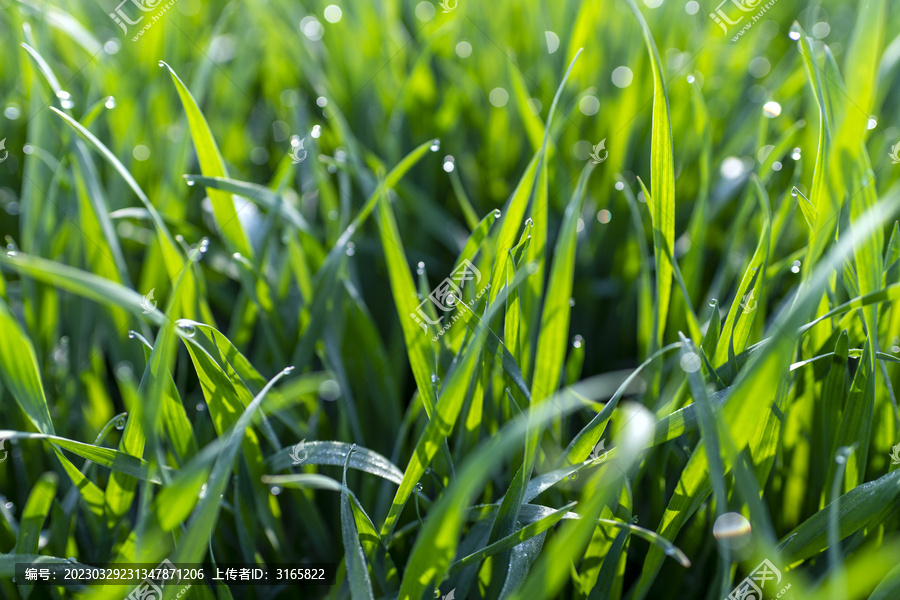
(662,184)
(212,165)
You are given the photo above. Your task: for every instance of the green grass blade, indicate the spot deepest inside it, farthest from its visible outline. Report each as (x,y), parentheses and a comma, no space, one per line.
(662,183)
(212,165)
(354,557)
(36,510)
(201,524)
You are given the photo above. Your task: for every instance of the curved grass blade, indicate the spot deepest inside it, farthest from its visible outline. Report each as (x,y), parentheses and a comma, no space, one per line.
(212,165)
(514,539)
(335,454)
(265,197)
(105,457)
(662,183)
(354,557)
(201,524)
(36,510)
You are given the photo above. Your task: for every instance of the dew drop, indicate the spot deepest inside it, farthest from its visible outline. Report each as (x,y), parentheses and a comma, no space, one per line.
(449,164)
(200,407)
(131,334)
(794,192)
(329,390)
(577,341)
(162,63)
(11,253)
(275,490)
(110,102)
(794,33)
(236,256)
(351,249)
(497,213)
(795,268)
(435,379)
(690,362)
(120,422)
(316,131)
(732,530)
(186,328)
(189,180)
(420,268)
(571,301)
(419,487)
(634,519)
(796,154)
(288,370)
(771,109)
(435,145)
(690,79)
(620,186)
